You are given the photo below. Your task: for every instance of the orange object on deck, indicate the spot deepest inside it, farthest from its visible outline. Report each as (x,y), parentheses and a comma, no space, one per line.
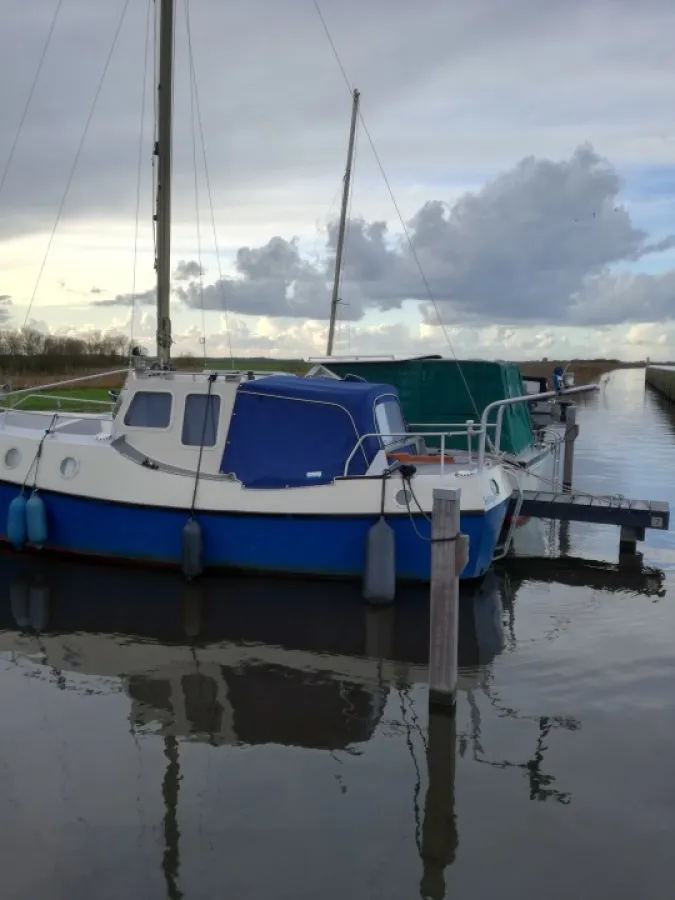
(420,457)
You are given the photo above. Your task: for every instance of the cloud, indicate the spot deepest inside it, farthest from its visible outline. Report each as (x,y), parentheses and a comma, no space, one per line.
(5,309)
(278,143)
(538,244)
(140,298)
(185,271)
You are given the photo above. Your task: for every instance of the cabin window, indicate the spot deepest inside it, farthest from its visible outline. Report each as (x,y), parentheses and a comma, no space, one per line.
(200,420)
(389,421)
(149,409)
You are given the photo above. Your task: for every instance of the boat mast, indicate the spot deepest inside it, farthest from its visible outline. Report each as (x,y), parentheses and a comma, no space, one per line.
(163,153)
(343,224)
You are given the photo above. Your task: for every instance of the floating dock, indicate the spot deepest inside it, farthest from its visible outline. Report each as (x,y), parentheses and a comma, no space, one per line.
(571,507)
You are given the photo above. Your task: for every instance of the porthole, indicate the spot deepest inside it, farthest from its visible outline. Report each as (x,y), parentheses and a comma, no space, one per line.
(403,498)
(69,467)
(494,487)
(12,458)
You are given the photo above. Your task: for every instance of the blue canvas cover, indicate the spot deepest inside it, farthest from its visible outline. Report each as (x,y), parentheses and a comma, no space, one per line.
(288,431)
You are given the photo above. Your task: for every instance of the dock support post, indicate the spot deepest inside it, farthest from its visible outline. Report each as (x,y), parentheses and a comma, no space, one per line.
(628,538)
(571,434)
(449,554)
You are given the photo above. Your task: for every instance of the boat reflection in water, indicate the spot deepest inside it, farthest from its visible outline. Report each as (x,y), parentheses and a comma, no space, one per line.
(245,661)
(222,659)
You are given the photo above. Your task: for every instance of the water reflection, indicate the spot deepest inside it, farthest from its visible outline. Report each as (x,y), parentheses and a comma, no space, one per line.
(291,664)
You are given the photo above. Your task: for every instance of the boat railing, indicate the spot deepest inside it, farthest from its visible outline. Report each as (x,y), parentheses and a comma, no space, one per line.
(471,430)
(63,383)
(500,406)
(58,400)
(408,437)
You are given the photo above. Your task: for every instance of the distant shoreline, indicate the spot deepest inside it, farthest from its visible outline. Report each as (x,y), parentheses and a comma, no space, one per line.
(23,370)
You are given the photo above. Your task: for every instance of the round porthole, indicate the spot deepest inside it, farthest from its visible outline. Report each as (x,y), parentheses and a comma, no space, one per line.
(403,498)
(12,458)
(69,467)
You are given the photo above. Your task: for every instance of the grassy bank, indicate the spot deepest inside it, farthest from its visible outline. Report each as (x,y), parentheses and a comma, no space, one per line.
(586,371)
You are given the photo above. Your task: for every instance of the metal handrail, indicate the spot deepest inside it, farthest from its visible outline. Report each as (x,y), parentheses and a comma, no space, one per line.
(56,384)
(526,398)
(58,397)
(410,436)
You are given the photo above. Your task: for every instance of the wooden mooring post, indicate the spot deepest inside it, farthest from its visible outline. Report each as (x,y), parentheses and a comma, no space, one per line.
(571,434)
(449,555)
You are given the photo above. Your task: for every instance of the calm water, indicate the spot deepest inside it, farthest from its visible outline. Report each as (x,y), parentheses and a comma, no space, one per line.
(271,740)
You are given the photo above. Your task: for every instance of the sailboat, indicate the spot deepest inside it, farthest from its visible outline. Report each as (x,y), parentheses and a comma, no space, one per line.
(240,470)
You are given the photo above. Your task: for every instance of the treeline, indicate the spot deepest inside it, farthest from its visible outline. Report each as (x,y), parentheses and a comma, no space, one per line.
(26,350)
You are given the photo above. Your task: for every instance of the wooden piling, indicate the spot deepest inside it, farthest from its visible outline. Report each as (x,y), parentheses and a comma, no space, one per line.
(571,434)
(449,554)
(439,829)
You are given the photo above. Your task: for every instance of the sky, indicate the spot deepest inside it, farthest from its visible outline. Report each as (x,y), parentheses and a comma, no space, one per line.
(528,147)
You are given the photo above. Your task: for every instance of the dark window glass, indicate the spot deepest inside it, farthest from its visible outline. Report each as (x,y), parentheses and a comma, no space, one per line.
(201,418)
(149,409)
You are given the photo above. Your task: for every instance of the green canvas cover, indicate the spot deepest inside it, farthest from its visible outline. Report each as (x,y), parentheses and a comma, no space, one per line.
(434,391)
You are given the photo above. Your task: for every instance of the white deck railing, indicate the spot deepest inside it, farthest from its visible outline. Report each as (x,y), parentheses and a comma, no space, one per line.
(411,437)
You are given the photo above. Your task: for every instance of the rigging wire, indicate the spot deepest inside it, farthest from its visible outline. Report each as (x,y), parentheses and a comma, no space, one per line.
(196,177)
(43,56)
(140,170)
(210,195)
(406,232)
(77,156)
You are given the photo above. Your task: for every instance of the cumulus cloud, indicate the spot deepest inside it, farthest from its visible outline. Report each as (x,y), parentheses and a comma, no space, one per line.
(185,271)
(539,243)
(271,280)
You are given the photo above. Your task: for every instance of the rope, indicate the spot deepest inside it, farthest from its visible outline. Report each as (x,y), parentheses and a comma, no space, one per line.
(196,178)
(207,407)
(30,94)
(77,157)
(140,169)
(427,286)
(501,552)
(407,481)
(38,455)
(208,190)
(610,498)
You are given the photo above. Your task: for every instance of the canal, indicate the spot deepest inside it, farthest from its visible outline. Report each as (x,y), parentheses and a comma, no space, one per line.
(269,739)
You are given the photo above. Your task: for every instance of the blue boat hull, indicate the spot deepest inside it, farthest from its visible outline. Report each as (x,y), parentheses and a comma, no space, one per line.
(295,545)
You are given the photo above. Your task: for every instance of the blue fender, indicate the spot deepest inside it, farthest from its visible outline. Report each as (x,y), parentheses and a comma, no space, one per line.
(36,520)
(17,529)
